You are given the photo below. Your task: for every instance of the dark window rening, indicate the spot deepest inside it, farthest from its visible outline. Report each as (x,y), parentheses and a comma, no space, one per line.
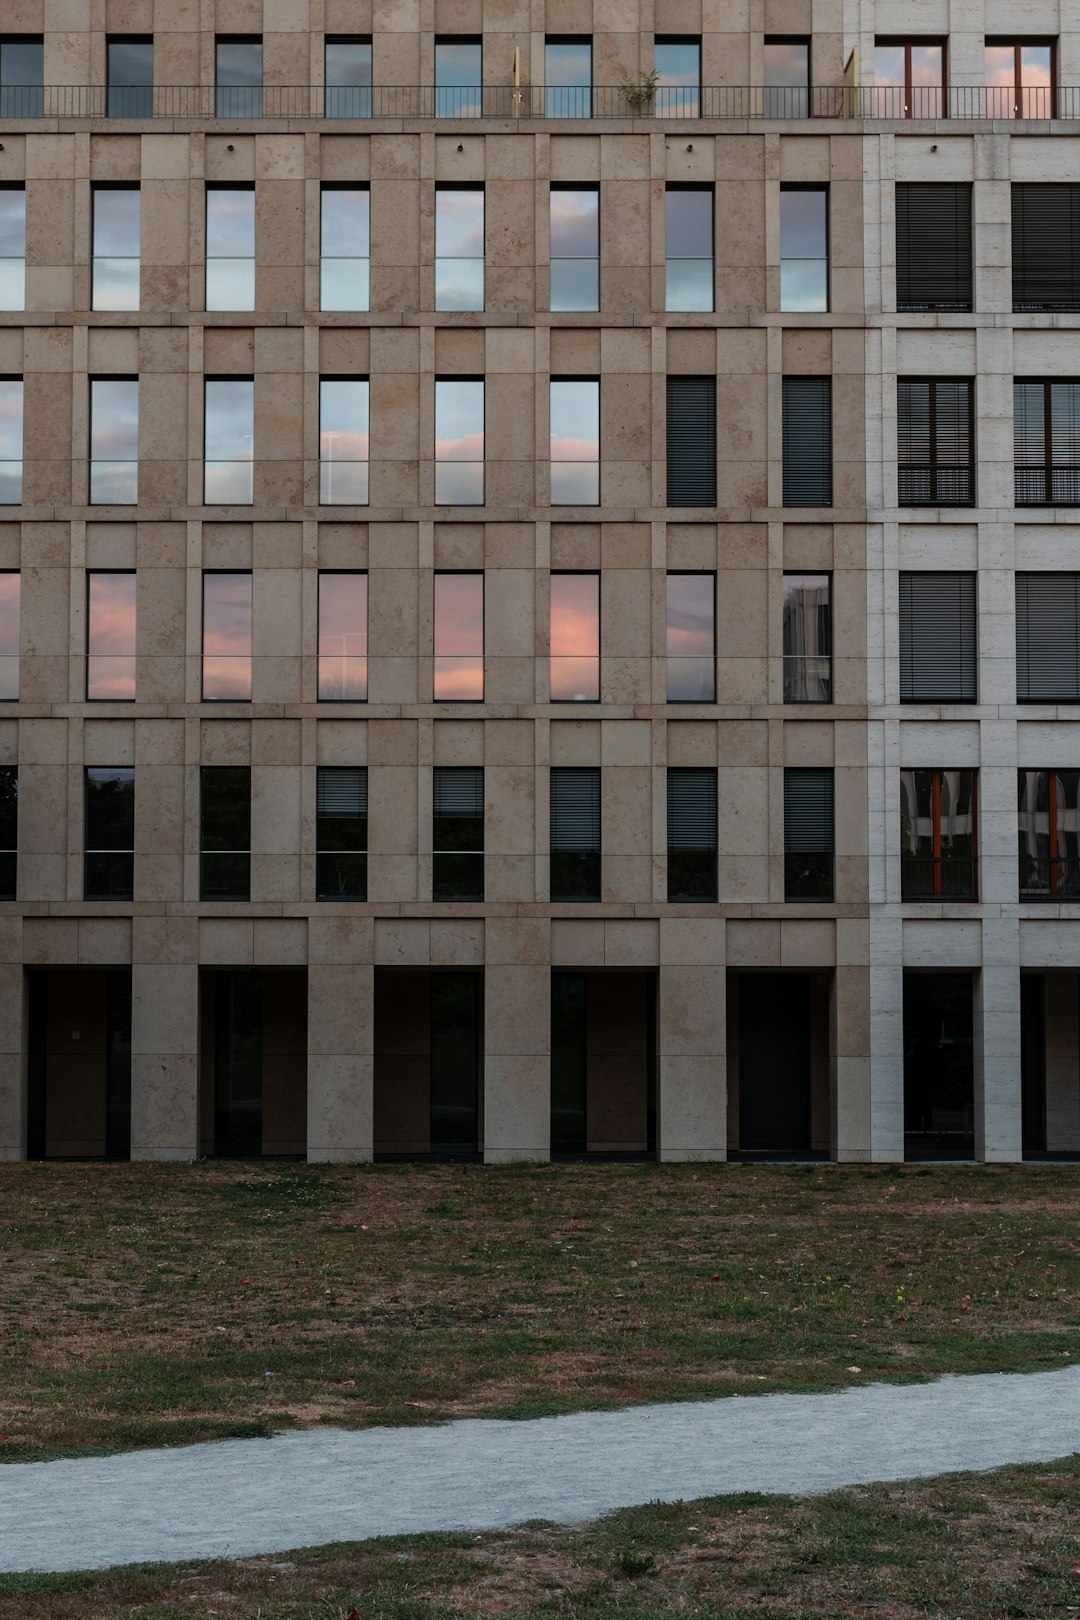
(691,441)
(809,836)
(1046,247)
(807,638)
(938,835)
(808,441)
(225,832)
(130,74)
(691,833)
(933,247)
(9,830)
(1046,443)
(22,76)
(1048,834)
(341,814)
(457,868)
(575,832)
(938,649)
(1048,638)
(109,848)
(935,441)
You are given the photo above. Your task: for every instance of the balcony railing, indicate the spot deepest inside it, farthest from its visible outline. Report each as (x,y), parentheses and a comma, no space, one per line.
(942,877)
(716,102)
(1049,878)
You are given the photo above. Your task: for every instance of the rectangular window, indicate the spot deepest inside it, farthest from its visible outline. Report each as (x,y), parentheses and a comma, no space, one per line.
(22,76)
(345,262)
(341,817)
(575,441)
(809,837)
(10,584)
(116,257)
(238,77)
(787,78)
(688,248)
(230,247)
(575,247)
(109,848)
(459,638)
(935,442)
(459,77)
(12,247)
(1020,78)
(130,75)
(1046,247)
(114,441)
(938,853)
(1046,440)
(574,662)
(807,448)
(807,638)
(677,62)
(225,832)
(567,77)
(691,834)
(938,638)
(348,78)
(575,832)
(343,441)
(459,247)
(691,441)
(1048,638)
(343,638)
(11,441)
(9,830)
(933,247)
(457,866)
(110,637)
(229,440)
(226,648)
(804,248)
(459,441)
(909,78)
(1048,827)
(691,638)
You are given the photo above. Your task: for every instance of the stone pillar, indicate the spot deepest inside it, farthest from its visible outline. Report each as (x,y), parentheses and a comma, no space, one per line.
(517,1039)
(12,1042)
(886,1040)
(850,1045)
(998,1133)
(164,1038)
(691,1092)
(341,1045)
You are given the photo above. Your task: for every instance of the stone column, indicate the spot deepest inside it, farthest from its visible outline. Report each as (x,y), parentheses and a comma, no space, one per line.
(850,1044)
(517,1040)
(691,1092)
(341,1046)
(997,1044)
(12,1028)
(886,1040)
(164,1038)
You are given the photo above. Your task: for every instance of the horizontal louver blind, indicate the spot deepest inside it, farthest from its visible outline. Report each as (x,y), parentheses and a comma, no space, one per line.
(691,809)
(341,792)
(935,442)
(1046,246)
(691,441)
(933,247)
(937,638)
(1048,638)
(808,811)
(459,791)
(807,441)
(575,808)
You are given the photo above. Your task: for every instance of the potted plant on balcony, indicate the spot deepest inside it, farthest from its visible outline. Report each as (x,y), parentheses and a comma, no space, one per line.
(640,92)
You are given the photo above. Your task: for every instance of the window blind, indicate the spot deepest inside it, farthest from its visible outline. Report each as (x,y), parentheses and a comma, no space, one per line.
(459,791)
(933,246)
(691,808)
(807,441)
(575,807)
(808,811)
(1046,247)
(691,441)
(341,791)
(1048,638)
(935,441)
(938,651)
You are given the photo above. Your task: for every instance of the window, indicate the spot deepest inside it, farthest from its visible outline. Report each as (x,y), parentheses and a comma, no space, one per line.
(229,441)
(691,834)
(567,77)
(345,263)
(933,246)
(10,583)
(238,78)
(1046,247)
(22,76)
(807,455)
(110,637)
(230,247)
(691,441)
(343,637)
(935,442)
(348,79)
(809,838)
(678,87)
(691,638)
(459,77)
(114,441)
(909,78)
(115,270)
(341,815)
(109,847)
(938,855)
(1020,78)
(1046,439)
(457,866)
(804,248)
(9,830)
(575,441)
(575,247)
(787,78)
(938,639)
(12,247)
(1048,827)
(459,638)
(459,247)
(575,832)
(459,441)
(688,264)
(130,73)
(807,638)
(1048,638)
(226,649)
(11,440)
(225,832)
(574,640)
(343,441)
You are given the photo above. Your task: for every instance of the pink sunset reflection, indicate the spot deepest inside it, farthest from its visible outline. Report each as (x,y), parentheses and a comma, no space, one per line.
(9,636)
(575,638)
(459,638)
(343,638)
(110,637)
(227,637)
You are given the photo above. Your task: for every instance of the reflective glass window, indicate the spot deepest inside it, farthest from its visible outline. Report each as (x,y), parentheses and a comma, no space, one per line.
(678,89)
(22,76)
(348,79)
(574,666)
(226,661)
(238,78)
(691,638)
(787,78)
(804,248)
(114,441)
(575,247)
(12,247)
(225,832)
(109,848)
(458,78)
(575,442)
(343,637)
(457,866)
(130,73)
(229,441)
(1020,79)
(345,264)
(807,638)
(341,817)
(230,247)
(11,441)
(10,583)
(459,638)
(116,247)
(459,247)
(909,79)
(110,637)
(938,833)
(343,441)
(688,229)
(459,441)
(568,78)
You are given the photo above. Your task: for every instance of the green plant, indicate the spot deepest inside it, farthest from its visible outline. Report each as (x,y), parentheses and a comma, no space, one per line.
(639,92)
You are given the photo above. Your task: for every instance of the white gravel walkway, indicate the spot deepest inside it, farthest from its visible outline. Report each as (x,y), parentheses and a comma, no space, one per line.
(237,1498)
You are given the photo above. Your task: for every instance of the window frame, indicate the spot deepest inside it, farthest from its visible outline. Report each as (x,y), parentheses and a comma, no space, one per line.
(907,253)
(98,892)
(218,461)
(17,187)
(338,98)
(462,109)
(593,187)
(93,461)
(231,106)
(28,100)
(793,386)
(703,420)
(1017,88)
(326,491)
(680,893)
(96,190)
(1048,466)
(12,658)
(575,90)
(594,382)
(935,467)
(708,189)
(669,658)
(457,856)
(578,573)
(593,872)
(135,105)
(668,99)
(209,697)
(447,461)
(246,188)
(323,894)
(913,657)
(444,188)
(458,573)
(240,894)
(793,856)
(348,573)
(9,857)
(824,189)
(937,893)
(1055,889)
(806,658)
(360,188)
(11,377)
(788,90)
(91,575)
(908,42)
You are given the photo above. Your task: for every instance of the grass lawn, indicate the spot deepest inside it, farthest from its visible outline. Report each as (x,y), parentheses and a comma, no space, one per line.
(156,1304)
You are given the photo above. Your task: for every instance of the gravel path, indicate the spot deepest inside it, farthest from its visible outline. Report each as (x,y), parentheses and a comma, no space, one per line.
(237,1498)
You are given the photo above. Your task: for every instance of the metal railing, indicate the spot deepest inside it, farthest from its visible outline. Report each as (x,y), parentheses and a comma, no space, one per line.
(942,877)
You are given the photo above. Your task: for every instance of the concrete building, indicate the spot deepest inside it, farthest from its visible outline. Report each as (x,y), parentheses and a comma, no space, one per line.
(539,589)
